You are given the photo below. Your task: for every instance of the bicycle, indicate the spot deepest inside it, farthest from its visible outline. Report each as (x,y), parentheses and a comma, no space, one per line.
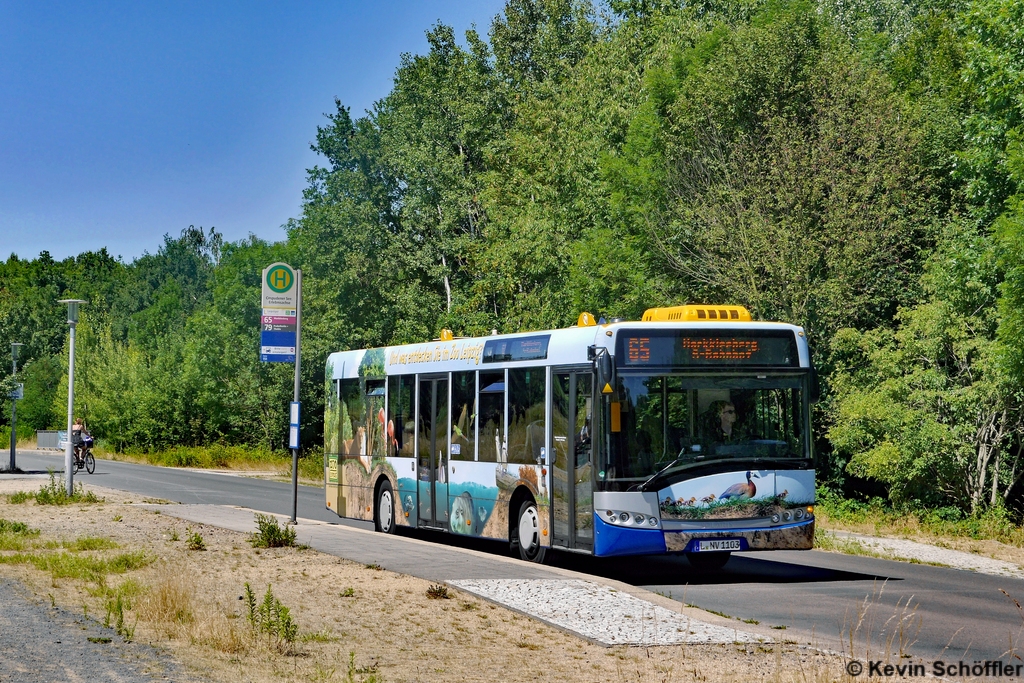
(84,457)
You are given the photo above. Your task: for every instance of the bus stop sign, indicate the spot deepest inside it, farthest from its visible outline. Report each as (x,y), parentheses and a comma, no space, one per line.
(278,322)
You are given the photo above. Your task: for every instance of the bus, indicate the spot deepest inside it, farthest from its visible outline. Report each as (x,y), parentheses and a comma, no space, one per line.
(688,431)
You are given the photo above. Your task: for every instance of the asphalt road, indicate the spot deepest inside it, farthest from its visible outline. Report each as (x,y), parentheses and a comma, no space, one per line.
(929,612)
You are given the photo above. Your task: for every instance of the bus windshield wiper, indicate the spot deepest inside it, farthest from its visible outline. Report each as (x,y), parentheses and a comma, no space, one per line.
(679,458)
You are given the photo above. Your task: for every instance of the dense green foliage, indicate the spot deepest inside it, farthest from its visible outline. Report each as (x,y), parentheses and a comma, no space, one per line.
(855,168)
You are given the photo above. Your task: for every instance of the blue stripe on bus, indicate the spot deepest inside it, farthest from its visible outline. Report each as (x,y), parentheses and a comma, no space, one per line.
(616,540)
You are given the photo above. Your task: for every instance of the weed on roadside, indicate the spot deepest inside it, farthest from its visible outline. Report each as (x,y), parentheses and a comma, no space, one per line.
(272,619)
(438,592)
(349,592)
(54,493)
(270,534)
(194,540)
(116,607)
(371,673)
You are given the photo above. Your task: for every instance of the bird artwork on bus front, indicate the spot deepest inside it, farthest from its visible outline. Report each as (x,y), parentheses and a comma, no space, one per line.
(737,495)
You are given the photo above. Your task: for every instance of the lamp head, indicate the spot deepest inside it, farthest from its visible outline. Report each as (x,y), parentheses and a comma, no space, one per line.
(15,350)
(72,308)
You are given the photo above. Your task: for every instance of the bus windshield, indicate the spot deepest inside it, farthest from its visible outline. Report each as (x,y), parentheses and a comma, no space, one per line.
(662,424)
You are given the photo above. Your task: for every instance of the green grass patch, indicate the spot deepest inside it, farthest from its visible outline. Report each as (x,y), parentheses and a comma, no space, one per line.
(89,543)
(996,524)
(69,565)
(14,535)
(218,456)
(19,497)
(16,528)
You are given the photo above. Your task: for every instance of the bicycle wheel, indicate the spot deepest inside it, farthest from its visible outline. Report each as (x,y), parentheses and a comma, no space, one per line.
(90,463)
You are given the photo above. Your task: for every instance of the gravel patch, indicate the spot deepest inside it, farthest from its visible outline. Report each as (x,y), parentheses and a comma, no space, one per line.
(901,549)
(599,613)
(40,643)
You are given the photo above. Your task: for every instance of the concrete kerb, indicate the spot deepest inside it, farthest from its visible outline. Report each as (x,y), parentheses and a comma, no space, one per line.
(242,520)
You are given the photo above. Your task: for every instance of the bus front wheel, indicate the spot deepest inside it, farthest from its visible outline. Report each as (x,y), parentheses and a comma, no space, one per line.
(385,521)
(526,534)
(708,561)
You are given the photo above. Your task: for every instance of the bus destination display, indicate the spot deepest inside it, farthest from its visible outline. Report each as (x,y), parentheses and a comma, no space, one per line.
(690,348)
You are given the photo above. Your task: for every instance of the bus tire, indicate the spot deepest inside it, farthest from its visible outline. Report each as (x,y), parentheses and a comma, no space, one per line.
(526,534)
(384,520)
(708,561)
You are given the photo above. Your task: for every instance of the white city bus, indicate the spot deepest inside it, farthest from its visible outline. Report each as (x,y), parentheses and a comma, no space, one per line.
(685,432)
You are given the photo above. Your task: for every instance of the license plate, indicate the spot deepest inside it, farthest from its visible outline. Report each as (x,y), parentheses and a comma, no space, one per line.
(718,545)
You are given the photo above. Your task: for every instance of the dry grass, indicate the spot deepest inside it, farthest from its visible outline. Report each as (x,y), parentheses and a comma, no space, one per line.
(355,623)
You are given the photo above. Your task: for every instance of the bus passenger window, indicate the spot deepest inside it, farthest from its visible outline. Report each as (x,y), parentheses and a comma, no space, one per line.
(400,427)
(463,416)
(375,419)
(353,418)
(526,415)
(492,417)
(332,421)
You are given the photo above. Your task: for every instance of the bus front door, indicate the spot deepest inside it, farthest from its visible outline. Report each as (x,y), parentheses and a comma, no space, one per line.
(572,504)
(431,450)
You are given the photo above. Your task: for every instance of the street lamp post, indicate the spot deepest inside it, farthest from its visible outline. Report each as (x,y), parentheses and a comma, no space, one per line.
(69,470)
(15,350)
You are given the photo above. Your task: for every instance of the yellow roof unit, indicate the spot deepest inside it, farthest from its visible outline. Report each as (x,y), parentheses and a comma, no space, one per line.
(697,313)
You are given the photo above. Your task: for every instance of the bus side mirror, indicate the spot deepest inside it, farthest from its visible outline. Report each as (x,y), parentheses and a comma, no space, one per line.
(605,370)
(815,386)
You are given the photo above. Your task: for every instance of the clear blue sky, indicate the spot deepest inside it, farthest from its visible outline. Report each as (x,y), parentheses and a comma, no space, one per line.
(123,121)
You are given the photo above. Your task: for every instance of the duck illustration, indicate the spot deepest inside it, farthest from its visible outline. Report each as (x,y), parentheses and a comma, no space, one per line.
(708,500)
(741,491)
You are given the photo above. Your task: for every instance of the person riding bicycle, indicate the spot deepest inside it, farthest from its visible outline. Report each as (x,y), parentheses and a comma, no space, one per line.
(81,439)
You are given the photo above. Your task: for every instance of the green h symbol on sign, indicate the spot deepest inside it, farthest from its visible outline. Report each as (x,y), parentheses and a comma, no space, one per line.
(280,279)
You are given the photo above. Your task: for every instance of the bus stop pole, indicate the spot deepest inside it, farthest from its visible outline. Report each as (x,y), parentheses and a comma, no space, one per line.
(298,364)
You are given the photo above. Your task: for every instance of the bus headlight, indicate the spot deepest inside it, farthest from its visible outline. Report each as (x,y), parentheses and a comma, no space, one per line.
(787,515)
(775,518)
(630,519)
(799,514)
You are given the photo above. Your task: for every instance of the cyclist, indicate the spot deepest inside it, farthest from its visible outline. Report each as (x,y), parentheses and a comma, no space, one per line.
(81,439)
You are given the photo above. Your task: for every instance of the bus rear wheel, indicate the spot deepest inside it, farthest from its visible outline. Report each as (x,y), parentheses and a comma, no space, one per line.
(708,561)
(526,534)
(385,518)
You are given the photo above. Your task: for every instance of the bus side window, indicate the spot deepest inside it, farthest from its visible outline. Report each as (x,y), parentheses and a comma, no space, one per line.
(463,415)
(492,416)
(526,415)
(332,420)
(375,419)
(399,429)
(353,412)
